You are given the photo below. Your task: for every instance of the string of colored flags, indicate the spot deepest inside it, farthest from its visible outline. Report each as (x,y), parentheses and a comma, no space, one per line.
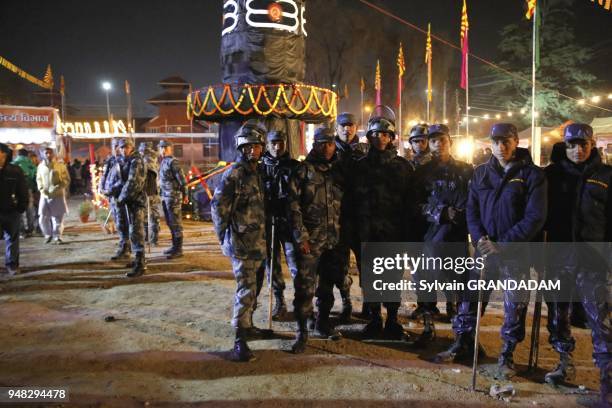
(12,67)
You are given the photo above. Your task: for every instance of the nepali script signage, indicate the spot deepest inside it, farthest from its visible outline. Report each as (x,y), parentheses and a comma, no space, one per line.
(95,129)
(24,117)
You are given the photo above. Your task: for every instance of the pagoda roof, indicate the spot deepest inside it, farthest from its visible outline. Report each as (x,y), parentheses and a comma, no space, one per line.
(173,81)
(168,97)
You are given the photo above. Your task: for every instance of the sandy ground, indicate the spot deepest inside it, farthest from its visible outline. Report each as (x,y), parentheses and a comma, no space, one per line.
(169,341)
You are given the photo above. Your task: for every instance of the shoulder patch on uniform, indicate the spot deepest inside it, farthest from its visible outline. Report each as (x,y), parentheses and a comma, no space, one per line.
(599,183)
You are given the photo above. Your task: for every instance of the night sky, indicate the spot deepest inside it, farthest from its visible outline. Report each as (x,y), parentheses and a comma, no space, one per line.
(145,41)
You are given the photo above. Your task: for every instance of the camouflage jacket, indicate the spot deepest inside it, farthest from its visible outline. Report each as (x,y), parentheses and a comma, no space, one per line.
(276,175)
(353,150)
(150,160)
(110,180)
(172,178)
(238,213)
(419,160)
(347,154)
(314,203)
(133,175)
(381,187)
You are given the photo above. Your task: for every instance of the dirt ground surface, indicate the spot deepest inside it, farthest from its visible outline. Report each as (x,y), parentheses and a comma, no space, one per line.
(168,343)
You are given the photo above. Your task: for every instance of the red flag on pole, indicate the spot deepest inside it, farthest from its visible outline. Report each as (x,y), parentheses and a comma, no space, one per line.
(377,84)
(465,49)
(401,69)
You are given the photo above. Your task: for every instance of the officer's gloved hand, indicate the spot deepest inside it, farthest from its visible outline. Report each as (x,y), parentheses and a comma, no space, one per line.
(486,246)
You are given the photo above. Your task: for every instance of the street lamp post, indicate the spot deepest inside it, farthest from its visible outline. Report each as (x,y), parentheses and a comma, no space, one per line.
(107,87)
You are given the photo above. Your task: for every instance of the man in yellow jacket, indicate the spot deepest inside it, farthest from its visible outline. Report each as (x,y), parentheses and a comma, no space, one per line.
(52,179)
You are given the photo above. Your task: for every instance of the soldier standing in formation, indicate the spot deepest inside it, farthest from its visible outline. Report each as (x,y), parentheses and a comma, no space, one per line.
(580,210)
(110,186)
(381,187)
(420,145)
(335,263)
(277,167)
(442,190)
(316,193)
(238,215)
(173,186)
(150,157)
(132,197)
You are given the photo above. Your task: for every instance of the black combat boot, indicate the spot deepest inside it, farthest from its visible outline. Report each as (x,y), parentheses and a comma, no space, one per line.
(365,311)
(323,328)
(122,253)
(347,307)
(505,363)
(423,307)
(451,311)
(241,351)
(140,266)
(393,329)
(280,308)
(564,371)
(427,335)
(461,349)
(172,249)
(177,244)
(301,337)
(374,328)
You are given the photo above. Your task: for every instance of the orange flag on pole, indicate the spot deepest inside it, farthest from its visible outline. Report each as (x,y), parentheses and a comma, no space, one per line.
(465,49)
(377,83)
(531,6)
(401,70)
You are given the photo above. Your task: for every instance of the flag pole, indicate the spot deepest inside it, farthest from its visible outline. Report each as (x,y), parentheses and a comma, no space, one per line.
(534,145)
(399,122)
(362,107)
(467,103)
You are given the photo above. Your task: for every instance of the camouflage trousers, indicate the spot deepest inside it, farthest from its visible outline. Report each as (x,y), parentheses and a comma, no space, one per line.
(278,282)
(136,217)
(305,282)
(121,222)
(173,213)
(152,220)
(245,299)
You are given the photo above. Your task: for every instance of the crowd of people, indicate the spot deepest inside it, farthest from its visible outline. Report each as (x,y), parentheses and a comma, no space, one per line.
(32,199)
(346,193)
(343,194)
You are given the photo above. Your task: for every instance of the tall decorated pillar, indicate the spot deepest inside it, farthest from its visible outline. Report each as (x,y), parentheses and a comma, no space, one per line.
(263,48)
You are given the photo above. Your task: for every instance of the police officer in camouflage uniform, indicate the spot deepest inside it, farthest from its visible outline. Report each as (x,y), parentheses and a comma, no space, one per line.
(441,187)
(315,198)
(110,186)
(381,184)
(580,210)
(150,157)
(238,215)
(418,139)
(174,192)
(133,198)
(276,168)
(335,263)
